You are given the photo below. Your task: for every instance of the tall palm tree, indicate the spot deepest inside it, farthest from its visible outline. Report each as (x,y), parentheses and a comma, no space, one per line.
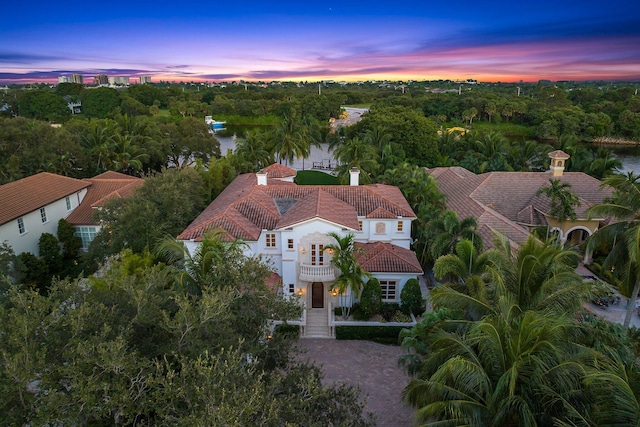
(99,142)
(513,360)
(344,258)
(252,153)
(622,234)
(289,140)
(355,153)
(445,231)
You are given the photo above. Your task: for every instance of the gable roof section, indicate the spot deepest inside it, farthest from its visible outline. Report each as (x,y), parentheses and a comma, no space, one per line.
(320,204)
(244,209)
(26,195)
(103,188)
(382,257)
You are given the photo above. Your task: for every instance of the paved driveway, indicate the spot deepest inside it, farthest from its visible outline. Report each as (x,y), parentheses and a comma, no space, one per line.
(372,366)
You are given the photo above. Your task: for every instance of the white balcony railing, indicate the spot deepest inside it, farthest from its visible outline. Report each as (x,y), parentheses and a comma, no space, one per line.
(317,273)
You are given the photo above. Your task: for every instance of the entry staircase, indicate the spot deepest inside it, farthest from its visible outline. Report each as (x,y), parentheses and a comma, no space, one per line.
(317,324)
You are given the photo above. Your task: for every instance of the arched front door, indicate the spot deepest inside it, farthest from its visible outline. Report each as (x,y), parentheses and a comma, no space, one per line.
(317,295)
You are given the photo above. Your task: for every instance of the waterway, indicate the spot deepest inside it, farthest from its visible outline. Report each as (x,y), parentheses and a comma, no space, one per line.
(628,155)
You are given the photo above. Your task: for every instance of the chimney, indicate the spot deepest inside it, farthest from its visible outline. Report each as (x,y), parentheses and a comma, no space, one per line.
(558,158)
(262,177)
(354,177)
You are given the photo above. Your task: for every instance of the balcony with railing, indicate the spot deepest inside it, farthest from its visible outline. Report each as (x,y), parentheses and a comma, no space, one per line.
(317,273)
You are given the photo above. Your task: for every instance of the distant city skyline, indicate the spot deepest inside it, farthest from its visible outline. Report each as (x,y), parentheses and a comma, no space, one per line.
(346,40)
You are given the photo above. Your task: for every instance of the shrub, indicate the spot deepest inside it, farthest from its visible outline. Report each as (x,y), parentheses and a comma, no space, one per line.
(371,298)
(379,334)
(388,310)
(399,316)
(411,298)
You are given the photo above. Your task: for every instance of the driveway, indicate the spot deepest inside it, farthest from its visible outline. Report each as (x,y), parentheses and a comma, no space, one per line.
(371,366)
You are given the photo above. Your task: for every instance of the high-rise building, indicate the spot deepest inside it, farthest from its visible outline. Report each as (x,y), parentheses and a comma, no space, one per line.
(64,79)
(145,79)
(77,78)
(119,81)
(101,79)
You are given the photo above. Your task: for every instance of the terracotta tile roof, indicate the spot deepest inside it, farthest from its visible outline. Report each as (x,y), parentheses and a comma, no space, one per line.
(277,170)
(26,195)
(558,154)
(244,208)
(381,213)
(103,187)
(320,204)
(382,257)
(506,201)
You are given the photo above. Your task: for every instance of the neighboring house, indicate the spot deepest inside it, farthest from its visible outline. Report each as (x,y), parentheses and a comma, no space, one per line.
(34,205)
(103,188)
(289,224)
(507,203)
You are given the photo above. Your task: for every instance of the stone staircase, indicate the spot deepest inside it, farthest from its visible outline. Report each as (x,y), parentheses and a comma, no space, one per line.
(317,324)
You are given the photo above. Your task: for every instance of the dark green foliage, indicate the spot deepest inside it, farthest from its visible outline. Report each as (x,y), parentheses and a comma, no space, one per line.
(33,272)
(71,243)
(380,334)
(164,205)
(371,298)
(135,347)
(147,94)
(388,310)
(99,102)
(43,105)
(50,252)
(411,300)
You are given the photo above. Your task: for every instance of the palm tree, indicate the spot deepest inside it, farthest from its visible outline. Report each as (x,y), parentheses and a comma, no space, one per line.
(198,270)
(127,157)
(251,151)
(622,234)
(289,140)
(99,141)
(355,153)
(344,258)
(517,369)
(604,163)
(466,266)
(445,232)
(513,360)
(562,200)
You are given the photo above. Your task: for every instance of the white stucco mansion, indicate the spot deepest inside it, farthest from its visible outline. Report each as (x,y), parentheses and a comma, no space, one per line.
(288,224)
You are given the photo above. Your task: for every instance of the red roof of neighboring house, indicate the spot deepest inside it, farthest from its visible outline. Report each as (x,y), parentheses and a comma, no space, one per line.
(507,202)
(244,208)
(26,195)
(382,257)
(103,188)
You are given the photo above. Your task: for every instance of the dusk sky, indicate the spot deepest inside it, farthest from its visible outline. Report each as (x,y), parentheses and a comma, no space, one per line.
(315,40)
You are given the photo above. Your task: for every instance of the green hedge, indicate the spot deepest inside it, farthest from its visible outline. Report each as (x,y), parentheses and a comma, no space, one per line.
(379,334)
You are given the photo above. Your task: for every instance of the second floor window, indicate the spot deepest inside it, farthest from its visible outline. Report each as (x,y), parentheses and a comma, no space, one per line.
(68,201)
(21,227)
(317,254)
(43,215)
(400,226)
(289,243)
(271,240)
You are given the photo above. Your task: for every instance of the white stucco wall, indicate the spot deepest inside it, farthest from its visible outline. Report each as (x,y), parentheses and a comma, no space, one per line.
(28,242)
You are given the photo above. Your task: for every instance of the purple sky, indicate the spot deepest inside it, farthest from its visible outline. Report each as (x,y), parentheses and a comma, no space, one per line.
(340,40)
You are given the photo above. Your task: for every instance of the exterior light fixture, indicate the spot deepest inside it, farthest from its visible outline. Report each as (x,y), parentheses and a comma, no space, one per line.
(330,251)
(302,250)
(299,292)
(334,292)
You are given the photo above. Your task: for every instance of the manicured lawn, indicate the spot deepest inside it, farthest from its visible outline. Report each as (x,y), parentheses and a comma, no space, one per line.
(311,177)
